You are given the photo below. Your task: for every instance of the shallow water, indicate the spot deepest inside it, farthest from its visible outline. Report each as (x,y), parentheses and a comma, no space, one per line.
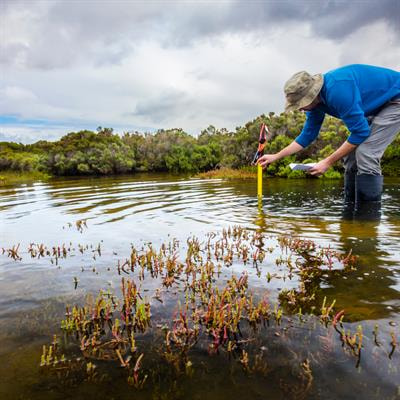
(126,210)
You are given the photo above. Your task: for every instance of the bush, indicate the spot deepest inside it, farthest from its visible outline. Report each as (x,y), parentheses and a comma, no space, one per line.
(104,152)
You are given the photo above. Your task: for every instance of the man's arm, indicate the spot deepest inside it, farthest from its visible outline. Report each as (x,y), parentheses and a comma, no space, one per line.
(345,97)
(292,148)
(308,134)
(311,127)
(322,166)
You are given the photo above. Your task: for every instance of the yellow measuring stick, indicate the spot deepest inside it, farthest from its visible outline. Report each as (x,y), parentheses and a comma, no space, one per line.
(261,144)
(259,180)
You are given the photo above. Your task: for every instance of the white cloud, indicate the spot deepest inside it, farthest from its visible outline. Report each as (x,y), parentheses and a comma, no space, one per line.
(32,133)
(373,44)
(11,93)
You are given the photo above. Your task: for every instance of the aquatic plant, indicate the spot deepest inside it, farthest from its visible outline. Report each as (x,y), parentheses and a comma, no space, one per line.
(13,253)
(393,343)
(135,377)
(215,306)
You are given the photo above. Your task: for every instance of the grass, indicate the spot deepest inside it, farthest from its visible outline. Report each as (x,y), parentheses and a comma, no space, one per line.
(229,173)
(251,173)
(11,177)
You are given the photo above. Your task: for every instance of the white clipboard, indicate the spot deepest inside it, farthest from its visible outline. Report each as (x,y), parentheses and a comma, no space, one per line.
(301,167)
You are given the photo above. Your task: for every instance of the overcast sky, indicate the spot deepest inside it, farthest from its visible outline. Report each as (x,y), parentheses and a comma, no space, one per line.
(144,65)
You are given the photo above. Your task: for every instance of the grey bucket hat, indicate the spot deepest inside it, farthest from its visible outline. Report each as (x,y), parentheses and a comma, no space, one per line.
(302,89)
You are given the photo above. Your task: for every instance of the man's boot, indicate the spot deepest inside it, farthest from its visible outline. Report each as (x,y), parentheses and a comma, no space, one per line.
(349,194)
(368,196)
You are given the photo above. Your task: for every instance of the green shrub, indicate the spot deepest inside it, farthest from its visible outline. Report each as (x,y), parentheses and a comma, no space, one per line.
(105,152)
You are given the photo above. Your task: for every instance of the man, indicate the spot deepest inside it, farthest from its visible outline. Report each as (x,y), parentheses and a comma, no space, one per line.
(367,99)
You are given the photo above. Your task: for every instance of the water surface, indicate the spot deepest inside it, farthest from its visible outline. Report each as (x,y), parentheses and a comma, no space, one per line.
(126,210)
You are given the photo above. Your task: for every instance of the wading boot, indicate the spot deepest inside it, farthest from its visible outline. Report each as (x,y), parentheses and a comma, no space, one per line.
(368,197)
(349,195)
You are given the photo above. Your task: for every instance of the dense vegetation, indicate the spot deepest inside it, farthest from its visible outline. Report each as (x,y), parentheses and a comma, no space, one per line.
(103,152)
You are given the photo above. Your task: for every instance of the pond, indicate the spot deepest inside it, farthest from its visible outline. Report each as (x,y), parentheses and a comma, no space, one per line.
(70,242)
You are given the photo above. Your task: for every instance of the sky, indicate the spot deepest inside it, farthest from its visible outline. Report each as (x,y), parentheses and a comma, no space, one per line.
(68,65)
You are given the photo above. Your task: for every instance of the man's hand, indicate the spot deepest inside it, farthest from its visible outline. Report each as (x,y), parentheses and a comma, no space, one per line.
(320,167)
(267,159)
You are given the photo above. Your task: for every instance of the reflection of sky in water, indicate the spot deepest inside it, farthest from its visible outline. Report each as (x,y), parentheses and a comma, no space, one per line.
(138,209)
(125,210)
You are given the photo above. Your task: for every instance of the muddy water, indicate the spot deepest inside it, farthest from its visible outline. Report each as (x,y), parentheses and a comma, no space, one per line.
(125,211)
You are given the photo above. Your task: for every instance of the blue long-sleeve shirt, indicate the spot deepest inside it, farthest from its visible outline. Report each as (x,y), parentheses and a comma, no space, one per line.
(351,93)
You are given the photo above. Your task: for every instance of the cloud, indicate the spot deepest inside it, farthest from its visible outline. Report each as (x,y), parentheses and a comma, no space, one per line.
(158,109)
(33,132)
(370,45)
(16,93)
(61,33)
(337,19)
(150,65)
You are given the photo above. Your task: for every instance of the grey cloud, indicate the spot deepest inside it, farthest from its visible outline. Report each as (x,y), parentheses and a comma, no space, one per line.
(337,19)
(11,53)
(63,33)
(168,105)
(334,19)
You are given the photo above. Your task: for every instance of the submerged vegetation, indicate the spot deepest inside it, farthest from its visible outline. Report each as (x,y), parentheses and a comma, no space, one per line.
(104,152)
(210,309)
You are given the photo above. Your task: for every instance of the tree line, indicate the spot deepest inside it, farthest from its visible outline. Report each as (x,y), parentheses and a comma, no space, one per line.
(104,152)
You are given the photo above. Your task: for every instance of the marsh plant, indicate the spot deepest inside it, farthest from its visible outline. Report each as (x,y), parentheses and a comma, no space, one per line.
(204,289)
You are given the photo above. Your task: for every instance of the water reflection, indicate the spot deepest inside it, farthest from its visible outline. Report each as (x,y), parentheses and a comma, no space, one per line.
(372,290)
(125,210)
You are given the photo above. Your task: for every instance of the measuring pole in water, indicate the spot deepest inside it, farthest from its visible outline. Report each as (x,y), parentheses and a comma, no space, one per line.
(261,144)
(259,180)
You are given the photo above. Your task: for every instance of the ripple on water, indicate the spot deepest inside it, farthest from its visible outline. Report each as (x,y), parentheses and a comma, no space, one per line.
(135,209)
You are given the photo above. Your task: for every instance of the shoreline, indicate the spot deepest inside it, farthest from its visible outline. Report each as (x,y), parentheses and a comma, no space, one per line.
(11,177)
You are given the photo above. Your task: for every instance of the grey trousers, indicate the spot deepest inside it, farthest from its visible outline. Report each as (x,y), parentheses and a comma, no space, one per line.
(366,158)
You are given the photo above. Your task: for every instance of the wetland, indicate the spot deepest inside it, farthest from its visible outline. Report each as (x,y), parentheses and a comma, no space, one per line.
(155,286)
